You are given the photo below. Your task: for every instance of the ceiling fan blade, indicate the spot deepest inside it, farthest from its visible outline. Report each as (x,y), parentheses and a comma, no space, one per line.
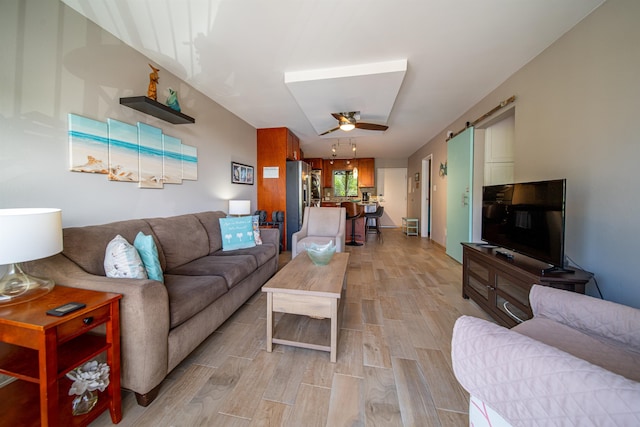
(330,130)
(371,126)
(338,116)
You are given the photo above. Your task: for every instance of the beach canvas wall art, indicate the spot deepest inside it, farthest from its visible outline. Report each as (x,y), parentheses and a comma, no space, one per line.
(88,145)
(123,151)
(151,156)
(189,162)
(172,160)
(130,153)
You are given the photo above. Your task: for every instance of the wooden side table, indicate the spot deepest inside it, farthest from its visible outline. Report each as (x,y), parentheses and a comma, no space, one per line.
(39,350)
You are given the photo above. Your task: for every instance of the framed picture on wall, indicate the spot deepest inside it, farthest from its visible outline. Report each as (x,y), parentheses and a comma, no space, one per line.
(241,174)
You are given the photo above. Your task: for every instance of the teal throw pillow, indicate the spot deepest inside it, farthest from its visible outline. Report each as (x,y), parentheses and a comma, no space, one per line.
(237,233)
(149,254)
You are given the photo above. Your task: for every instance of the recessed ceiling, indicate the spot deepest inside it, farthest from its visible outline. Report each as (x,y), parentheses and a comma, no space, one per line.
(336,90)
(237,53)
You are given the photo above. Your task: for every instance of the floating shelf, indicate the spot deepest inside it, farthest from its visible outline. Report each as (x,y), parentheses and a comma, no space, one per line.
(155,109)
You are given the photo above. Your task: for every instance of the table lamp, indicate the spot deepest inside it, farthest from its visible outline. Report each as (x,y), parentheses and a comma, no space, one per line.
(26,235)
(239,207)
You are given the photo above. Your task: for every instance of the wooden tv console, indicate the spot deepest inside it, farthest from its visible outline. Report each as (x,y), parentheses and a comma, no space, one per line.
(501,285)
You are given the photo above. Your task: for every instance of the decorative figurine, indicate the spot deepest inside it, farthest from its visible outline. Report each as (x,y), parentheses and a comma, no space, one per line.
(152,92)
(172,100)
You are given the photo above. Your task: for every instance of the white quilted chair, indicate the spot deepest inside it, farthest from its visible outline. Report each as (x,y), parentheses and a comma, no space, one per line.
(320,225)
(575,363)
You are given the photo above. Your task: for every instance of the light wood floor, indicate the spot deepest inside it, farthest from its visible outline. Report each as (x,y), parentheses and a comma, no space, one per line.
(393,369)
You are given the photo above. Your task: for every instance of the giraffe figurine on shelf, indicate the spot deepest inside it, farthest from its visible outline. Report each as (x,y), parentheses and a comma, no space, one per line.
(152,92)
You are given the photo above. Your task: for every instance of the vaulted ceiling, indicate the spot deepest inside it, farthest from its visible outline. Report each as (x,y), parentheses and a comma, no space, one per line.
(294,62)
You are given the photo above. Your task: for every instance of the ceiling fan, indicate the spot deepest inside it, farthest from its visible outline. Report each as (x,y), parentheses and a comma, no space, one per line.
(349,121)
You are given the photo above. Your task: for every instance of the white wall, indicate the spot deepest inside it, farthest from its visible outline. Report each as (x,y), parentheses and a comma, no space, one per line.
(577,105)
(56,62)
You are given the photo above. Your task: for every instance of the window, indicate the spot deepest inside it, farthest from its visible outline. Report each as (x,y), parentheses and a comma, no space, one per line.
(345,184)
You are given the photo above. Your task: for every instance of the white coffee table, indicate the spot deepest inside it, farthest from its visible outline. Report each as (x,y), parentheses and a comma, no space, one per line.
(303,288)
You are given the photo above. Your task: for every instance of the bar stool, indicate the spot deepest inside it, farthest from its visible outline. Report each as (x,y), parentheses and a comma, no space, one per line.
(374,216)
(354,211)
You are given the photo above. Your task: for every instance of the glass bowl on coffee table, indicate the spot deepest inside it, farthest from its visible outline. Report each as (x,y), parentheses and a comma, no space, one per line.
(320,254)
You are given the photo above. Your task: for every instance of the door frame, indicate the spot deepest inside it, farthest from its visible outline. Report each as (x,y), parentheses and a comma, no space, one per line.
(426,208)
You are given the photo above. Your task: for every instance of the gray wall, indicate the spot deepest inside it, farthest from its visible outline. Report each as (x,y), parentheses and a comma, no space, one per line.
(56,62)
(576,113)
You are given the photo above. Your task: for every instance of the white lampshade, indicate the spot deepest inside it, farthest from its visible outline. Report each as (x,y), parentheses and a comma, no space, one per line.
(239,207)
(29,234)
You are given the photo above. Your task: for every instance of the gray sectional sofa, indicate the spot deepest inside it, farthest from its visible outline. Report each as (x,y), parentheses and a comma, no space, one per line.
(161,323)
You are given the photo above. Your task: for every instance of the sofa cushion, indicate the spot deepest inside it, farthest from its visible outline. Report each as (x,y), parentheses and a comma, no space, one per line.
(86,246)
(237,233)
(183,239)
(122,260)
(617,359)
(188,295)
(261,253)
(210,221)
(232,268)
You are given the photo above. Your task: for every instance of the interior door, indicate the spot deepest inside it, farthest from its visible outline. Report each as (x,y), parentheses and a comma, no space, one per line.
(459,192)
(392,194)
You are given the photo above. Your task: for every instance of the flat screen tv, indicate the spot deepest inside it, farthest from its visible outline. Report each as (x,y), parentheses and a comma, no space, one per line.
(527,218)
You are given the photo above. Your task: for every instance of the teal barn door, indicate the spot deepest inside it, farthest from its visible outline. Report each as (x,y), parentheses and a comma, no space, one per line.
(459,192)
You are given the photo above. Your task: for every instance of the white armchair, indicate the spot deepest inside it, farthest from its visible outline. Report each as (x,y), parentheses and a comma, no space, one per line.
(320,225)
(576,362)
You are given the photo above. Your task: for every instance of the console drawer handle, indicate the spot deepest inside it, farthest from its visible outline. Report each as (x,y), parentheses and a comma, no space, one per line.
(87,320)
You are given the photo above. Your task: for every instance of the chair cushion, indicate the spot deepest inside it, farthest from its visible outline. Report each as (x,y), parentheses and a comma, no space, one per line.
(324,221)
(617,359)
(233,268)
(188,295)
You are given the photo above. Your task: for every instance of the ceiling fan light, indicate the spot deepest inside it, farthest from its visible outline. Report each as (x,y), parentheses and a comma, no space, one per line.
(347,124)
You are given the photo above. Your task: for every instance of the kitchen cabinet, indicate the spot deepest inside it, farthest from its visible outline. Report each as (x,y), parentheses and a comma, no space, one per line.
(327,174)
(366,172)
(275,147)
(293,146)
(316,163)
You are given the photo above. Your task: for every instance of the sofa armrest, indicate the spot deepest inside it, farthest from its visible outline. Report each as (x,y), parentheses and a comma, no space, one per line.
(272,236)
(592,316)
(531,383)
(144,318)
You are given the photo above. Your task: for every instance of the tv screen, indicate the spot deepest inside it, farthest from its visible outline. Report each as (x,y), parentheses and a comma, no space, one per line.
(527,218)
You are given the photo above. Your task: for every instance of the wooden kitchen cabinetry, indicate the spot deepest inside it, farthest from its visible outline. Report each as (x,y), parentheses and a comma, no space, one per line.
(327,174)
(501,286)
(366,173)
(315,163)
(275,147)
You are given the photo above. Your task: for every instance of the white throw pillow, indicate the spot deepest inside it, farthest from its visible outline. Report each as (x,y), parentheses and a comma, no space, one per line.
(121,260)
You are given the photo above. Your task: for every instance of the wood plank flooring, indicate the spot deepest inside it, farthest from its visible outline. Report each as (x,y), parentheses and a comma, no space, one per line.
(393,368)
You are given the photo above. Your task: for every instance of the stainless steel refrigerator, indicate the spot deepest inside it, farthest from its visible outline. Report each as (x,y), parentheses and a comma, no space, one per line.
(298,196)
